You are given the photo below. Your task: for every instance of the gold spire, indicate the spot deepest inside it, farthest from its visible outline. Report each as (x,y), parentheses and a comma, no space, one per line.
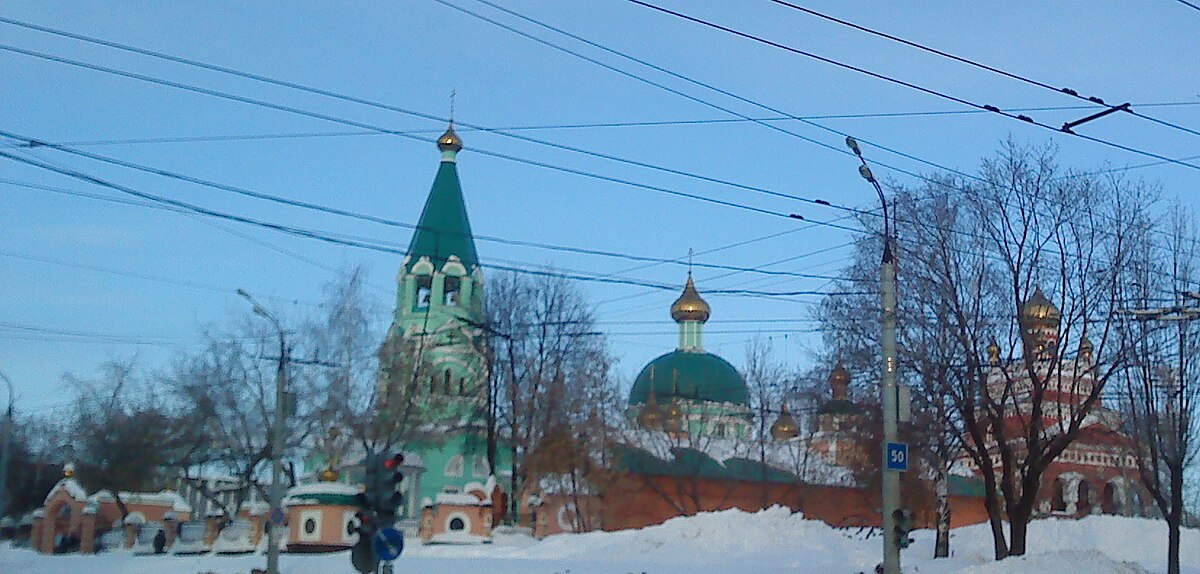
(689,306)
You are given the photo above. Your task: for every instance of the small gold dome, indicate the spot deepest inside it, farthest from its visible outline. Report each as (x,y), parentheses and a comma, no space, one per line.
(69,470)
(689,306)
(785,427)
(450,140)
(673,418)
(839,382)
(993,351)
(1038,310)
(329,475)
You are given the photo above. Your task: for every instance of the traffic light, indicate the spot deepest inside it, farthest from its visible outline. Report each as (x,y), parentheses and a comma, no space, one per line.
(389,480)
(362,555)
(904,520)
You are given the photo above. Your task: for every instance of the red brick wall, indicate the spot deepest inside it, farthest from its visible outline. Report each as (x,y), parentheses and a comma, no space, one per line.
(639,501)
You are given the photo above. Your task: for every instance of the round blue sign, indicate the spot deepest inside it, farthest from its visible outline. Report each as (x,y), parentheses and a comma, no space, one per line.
(388,543)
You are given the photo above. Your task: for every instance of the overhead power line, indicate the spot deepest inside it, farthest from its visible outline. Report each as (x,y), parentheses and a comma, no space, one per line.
(1025,79)
(707,86)
(482,151)
(907,84)
(573,126)
(400,224)
(1189,4)
(374,246)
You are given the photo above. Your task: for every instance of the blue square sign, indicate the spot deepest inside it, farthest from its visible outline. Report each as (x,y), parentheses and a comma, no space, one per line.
(897,456)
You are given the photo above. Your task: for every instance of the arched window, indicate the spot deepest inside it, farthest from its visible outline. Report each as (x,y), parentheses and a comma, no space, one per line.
(424,291)
(454,466)
(457,524)
(1112,499)
(1058,502)
(450,290)
(432,385)
(462,386)
(1084,505)
(446,381)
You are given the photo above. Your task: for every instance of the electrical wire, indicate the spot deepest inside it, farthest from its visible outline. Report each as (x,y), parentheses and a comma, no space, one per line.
(1068,91)
(375,246)
(909,85)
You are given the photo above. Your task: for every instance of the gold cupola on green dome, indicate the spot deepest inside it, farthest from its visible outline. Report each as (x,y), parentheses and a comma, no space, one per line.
(1041,321)
(690,306)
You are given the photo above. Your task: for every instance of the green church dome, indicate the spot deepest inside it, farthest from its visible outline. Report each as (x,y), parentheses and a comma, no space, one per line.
(690,375)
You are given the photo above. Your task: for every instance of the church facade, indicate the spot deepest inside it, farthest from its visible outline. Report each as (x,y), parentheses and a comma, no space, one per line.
(433,364)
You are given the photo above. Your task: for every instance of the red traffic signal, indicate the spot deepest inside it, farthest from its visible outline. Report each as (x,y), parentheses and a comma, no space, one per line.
(394,462)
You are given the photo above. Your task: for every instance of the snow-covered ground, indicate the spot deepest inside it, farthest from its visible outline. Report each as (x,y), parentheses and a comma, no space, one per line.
(723,542)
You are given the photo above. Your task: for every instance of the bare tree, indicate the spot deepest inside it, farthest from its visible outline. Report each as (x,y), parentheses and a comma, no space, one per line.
(551,390)
(125,435)
(1162,384)
(973,252)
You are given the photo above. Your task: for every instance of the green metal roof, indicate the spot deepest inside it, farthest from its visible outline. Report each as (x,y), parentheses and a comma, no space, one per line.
(444,229)
(691,462)
(690,375)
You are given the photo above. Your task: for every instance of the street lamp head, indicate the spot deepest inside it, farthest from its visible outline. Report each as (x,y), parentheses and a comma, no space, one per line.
(853,145)
(866,174)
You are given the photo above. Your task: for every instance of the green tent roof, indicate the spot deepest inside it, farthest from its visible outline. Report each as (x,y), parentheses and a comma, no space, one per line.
(444,229)
(690,375)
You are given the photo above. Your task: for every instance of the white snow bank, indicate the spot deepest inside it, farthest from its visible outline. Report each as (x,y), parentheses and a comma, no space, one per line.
(1064,562)
(774,540)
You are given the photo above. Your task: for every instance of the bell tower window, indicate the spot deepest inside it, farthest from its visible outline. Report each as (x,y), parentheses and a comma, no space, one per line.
(424,291)
(446,382)
(451,292)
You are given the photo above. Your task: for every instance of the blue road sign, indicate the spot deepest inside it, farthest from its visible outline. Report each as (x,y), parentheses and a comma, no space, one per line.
(897,456)
(389,543)
(277,517)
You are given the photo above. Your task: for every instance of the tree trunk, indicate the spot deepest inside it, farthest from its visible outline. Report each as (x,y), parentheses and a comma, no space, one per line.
(941,548)
(1174,520)
(1018,526)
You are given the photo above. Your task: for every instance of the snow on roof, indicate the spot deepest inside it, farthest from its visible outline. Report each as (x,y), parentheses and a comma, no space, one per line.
(460,499)
(164,498)
(71,486)
(323,488)
(794,457)
(564,484)
(318,492)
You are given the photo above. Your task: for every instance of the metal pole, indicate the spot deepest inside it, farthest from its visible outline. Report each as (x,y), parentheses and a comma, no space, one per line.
(276,491)
(276,457)
(891,478)
(5,447)
(887,286)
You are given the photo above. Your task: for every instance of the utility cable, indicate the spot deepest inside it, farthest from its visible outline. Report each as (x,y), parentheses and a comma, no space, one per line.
(311,234)
(390,222)
(1068,91)
(907,84)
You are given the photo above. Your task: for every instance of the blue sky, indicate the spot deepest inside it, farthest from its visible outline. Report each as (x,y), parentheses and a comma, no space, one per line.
(412,53)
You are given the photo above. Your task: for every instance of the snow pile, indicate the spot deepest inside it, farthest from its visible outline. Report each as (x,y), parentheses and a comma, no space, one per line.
(1072,561)
(774,540)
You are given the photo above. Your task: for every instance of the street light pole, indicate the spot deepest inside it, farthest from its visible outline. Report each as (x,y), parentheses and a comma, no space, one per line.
(276,491)
(5,448)
(887,276)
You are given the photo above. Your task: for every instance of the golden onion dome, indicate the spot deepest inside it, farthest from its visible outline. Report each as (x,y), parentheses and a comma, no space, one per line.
(689,306)
(673,418)
(993,351)
(1038,310)
(329,475)
(450,140)
(785,427)
(1085,348)
(839,382)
